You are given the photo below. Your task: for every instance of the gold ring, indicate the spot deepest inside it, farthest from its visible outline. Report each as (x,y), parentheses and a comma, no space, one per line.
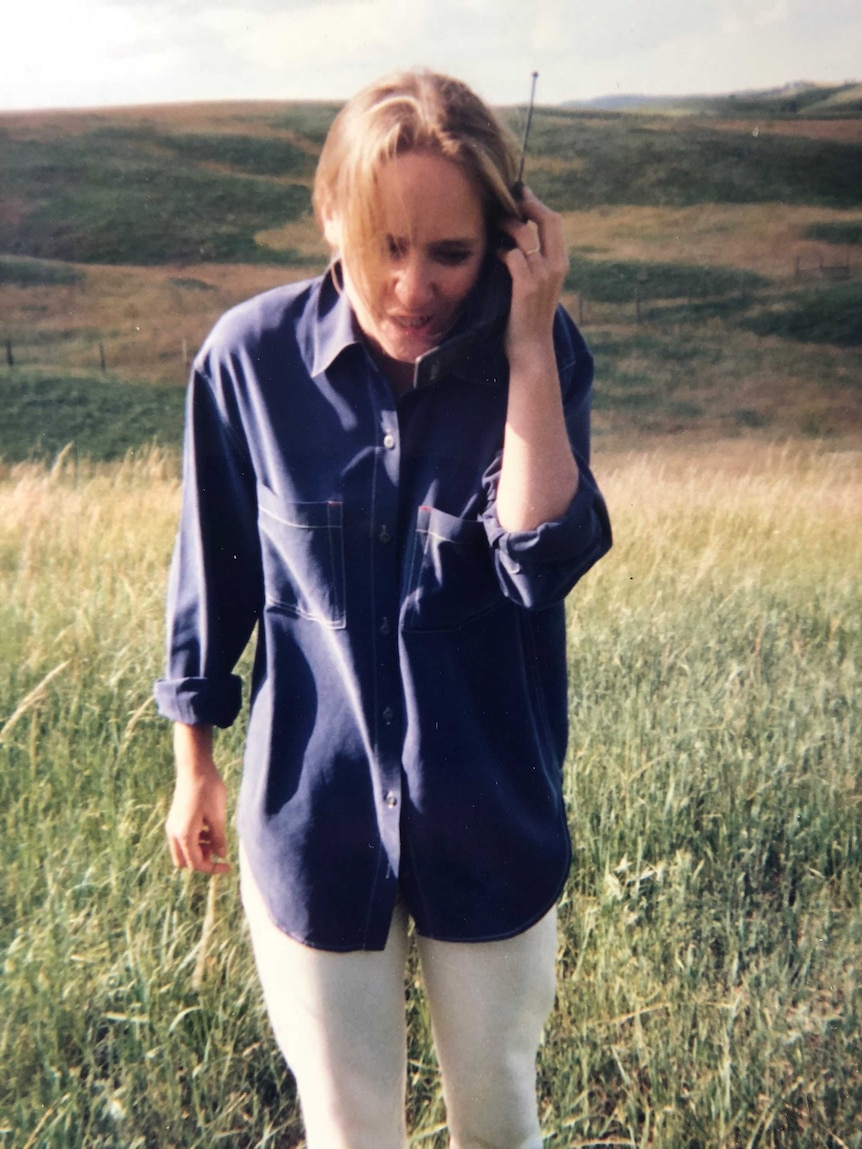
(534,250)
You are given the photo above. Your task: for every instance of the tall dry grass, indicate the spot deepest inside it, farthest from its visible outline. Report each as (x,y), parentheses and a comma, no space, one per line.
(709,984)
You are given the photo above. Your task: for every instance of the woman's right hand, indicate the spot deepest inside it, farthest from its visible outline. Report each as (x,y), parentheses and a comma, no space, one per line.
(195,824)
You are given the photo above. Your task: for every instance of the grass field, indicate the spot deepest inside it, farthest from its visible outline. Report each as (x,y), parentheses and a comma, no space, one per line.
(710,986)
(98,417)
(709,992)
(123,235)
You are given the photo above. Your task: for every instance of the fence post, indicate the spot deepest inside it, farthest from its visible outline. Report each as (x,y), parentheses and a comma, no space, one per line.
(185,353)
(637,305)
(10,358)
(580,309)
(102,363)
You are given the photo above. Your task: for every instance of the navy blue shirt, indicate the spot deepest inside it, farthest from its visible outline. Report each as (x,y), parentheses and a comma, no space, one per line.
(408,715)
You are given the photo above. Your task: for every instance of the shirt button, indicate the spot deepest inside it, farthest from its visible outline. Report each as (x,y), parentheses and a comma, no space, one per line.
(384,535)
(388,441)
(391,800)
(385,628)
(388,715)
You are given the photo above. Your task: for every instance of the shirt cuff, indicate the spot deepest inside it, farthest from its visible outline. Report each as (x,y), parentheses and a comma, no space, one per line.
(199,701)
(538,568)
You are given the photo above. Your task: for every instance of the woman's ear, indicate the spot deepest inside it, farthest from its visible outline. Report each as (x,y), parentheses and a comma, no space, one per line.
(331,227)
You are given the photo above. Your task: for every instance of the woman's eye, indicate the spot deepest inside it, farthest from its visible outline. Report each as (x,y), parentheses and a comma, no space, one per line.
(395,249)
(453,258)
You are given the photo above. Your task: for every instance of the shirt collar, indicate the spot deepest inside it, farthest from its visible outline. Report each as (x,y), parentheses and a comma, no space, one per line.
(335,328)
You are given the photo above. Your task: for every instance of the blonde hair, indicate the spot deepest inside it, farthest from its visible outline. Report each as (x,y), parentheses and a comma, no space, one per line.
(404,112)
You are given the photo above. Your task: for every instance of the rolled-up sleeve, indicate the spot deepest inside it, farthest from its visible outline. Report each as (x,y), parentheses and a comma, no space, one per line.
(215,586)
(538,568)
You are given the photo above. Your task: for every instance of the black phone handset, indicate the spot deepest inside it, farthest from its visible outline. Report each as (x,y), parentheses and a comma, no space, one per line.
(492,298)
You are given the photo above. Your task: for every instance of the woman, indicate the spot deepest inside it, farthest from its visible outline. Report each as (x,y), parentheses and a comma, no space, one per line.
(404,552)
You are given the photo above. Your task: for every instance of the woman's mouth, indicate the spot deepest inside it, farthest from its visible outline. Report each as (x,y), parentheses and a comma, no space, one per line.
(409,336)
(414,323)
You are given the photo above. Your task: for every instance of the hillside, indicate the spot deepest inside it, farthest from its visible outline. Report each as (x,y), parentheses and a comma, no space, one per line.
(792,100)
(715,258)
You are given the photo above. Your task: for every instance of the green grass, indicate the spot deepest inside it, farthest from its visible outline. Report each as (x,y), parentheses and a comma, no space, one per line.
(619,281)
(654,381)
(836,232)
(709,991)
(831,314)
(116,198)
(311,121)
(102,417)
(790,105)
(689,364)
(748,417)
(263,156)
(114,194)
(714,809)
(619,159)
(652,346)
(816,102)
(191,283)
(36,273)
(709,979)
(731,308)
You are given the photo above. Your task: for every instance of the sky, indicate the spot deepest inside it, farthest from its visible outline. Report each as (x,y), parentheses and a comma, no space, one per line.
(93,53)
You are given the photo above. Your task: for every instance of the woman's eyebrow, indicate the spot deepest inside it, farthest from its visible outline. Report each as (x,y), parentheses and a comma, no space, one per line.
(466,242)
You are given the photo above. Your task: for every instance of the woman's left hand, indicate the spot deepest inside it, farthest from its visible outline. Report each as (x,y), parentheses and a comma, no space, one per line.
(539,475)
(537,264)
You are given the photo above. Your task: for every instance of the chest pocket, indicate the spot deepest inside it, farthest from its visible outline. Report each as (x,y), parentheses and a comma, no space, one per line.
(302,547)
(450,574)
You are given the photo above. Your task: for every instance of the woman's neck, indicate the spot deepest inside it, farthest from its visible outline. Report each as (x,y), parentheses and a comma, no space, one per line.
(399,374)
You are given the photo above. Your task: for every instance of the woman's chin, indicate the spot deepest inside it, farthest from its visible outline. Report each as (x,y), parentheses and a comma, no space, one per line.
(406,353)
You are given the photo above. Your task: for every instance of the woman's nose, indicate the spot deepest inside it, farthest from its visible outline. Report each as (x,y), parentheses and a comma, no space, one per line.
(414,286)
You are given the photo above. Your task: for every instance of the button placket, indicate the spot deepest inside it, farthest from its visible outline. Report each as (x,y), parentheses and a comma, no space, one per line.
(384,510)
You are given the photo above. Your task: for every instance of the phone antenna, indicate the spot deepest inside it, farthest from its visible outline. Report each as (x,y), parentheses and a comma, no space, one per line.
(518,187)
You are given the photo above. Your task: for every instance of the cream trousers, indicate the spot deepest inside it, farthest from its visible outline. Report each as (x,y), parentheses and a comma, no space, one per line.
(339,1021)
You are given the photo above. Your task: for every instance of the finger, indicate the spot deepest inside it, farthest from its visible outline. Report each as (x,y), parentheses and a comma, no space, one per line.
(192,852)
(548,225)
(533,208)
(212,848)
(212,860)
(218,843)
(177,856)
(523,235)
(517,263)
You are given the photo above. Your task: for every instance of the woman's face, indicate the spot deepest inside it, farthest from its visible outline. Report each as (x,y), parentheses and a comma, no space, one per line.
(435,237)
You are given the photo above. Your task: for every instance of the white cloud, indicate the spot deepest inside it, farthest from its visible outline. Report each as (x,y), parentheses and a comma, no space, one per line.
(121,51)
(313,38)
(739,16)
(50,54)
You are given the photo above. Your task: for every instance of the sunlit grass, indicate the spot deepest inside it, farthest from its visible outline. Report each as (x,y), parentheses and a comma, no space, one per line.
(711,989)
(709,985)
(97,416)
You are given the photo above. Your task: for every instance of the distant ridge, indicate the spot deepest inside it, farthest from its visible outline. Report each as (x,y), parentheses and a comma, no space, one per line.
(800,98)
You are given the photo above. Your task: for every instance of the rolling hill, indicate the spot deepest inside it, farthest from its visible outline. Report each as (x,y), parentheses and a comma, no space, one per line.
(715,256)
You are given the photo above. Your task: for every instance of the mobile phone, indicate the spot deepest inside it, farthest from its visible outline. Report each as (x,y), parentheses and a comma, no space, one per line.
(492,298)
(485,319)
